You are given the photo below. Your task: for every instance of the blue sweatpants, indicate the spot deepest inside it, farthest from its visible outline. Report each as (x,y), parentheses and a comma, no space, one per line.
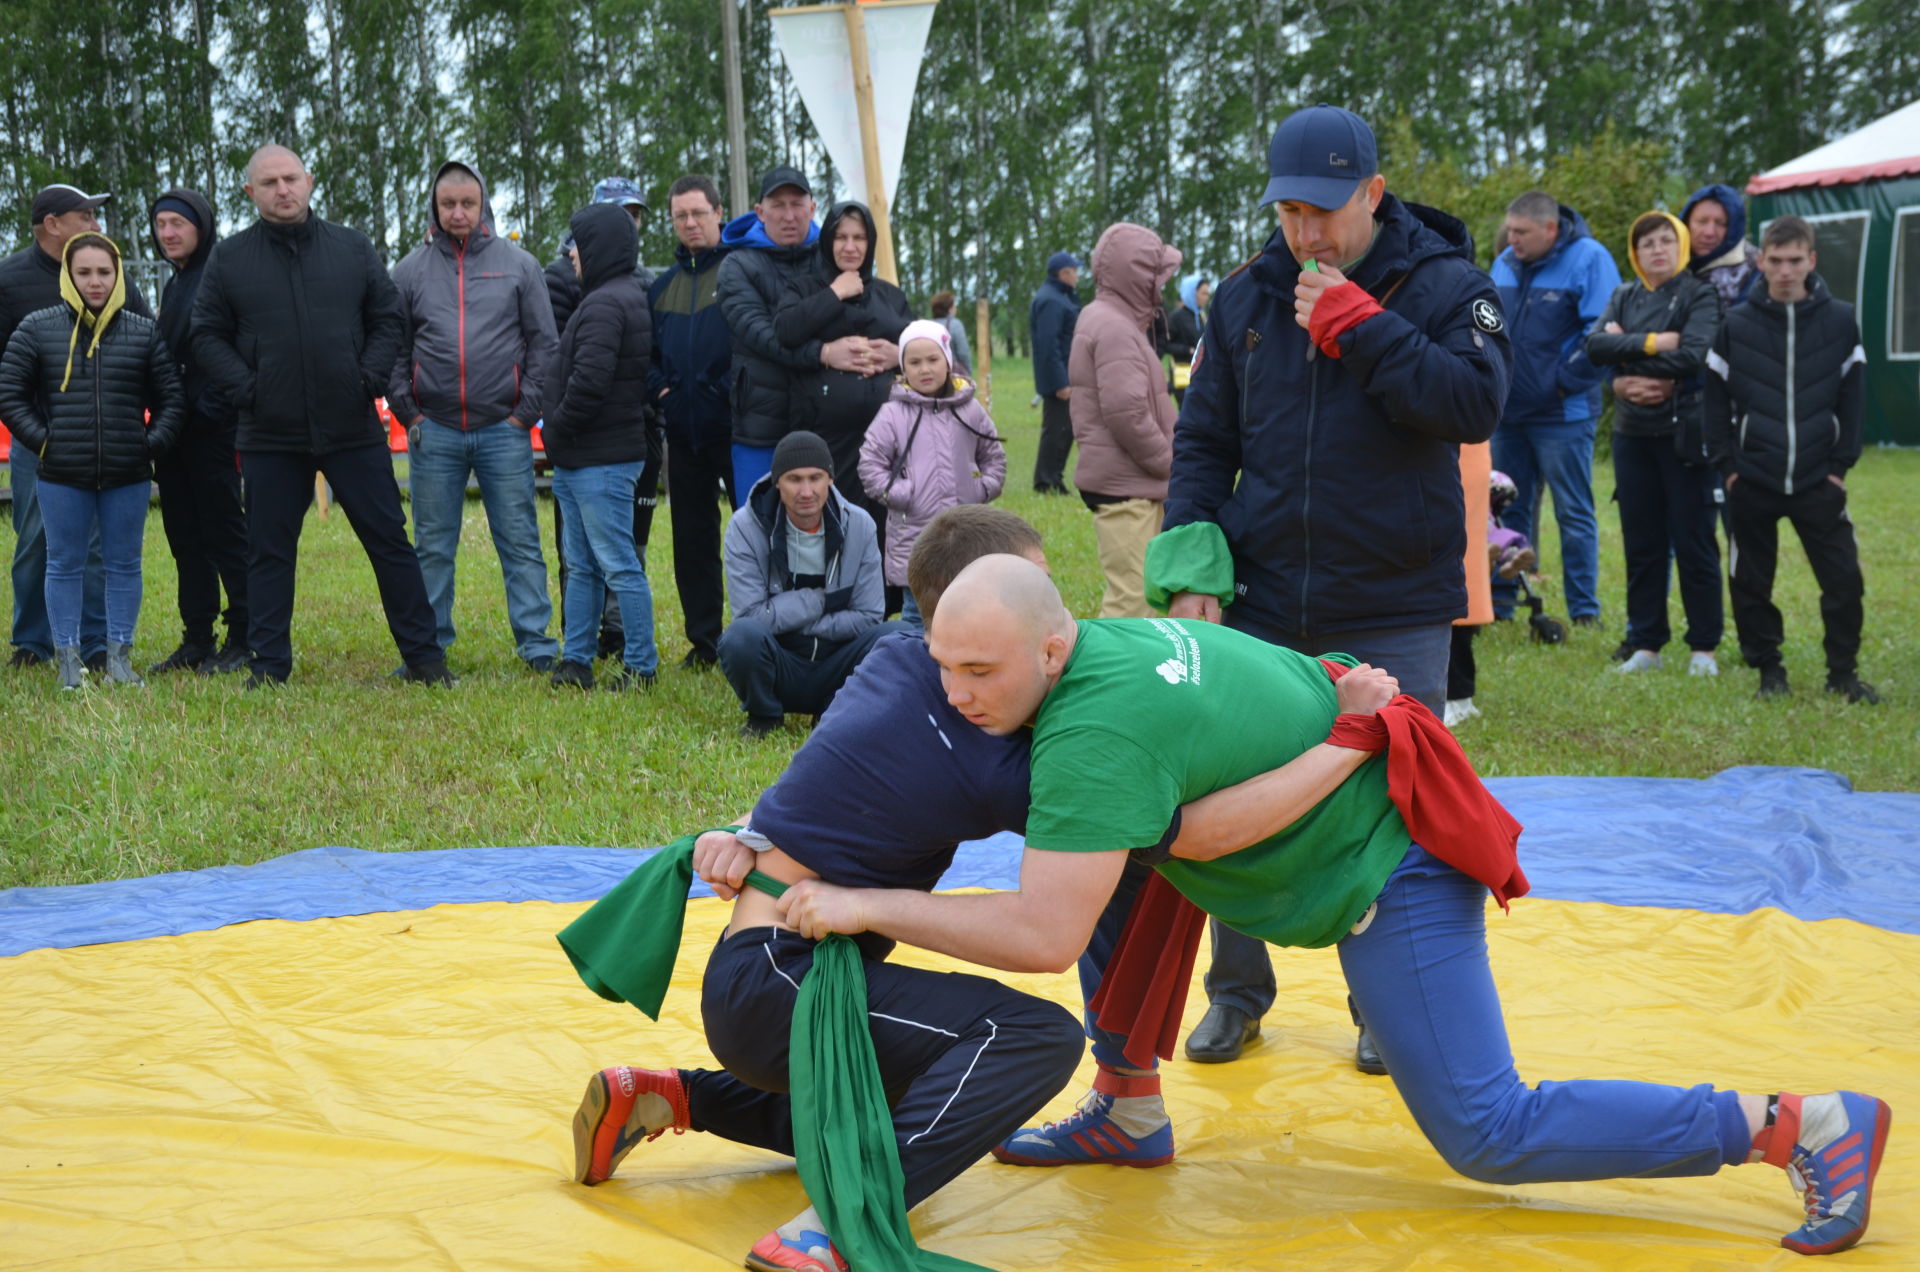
(1420,976)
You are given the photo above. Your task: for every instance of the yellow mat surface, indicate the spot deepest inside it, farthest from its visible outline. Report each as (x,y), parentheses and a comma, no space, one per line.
(394,1091)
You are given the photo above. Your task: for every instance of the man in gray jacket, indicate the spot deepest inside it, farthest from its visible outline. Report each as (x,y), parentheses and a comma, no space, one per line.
(468,384)
(803,575)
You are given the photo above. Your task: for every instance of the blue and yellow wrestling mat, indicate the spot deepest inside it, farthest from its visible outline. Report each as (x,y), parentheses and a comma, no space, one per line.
(393,1088)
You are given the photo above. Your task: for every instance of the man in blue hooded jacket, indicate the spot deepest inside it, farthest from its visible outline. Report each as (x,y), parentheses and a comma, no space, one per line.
(1554,279)
(1316,469)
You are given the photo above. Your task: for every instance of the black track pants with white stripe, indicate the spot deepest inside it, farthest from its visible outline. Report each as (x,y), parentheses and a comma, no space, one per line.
(965,1060)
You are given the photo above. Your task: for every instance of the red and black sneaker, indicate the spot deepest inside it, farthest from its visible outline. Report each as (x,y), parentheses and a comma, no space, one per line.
(809,1252)
(623,1106)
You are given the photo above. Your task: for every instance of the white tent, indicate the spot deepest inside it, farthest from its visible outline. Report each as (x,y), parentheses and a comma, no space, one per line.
(1887,147)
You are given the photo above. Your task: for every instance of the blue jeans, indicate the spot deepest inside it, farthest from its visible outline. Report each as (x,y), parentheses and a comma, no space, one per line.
(750,464)
(501,457)
(910,611)
(597,511)
(74,516)
(1557,457)
(1241,973)
(1420,977)
(31,630)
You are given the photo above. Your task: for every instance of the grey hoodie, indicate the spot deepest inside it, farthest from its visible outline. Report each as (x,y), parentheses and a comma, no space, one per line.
(479,327)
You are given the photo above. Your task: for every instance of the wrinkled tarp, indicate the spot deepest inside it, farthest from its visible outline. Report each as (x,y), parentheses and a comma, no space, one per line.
(394,1091)
(1800,840)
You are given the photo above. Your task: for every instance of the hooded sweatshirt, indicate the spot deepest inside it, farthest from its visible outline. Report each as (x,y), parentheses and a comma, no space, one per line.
(838,405)
(1734,265)
(600,375)
(753,278)
(1122,416)
(205,404)
(77,387)
(479,334)
(1685,304)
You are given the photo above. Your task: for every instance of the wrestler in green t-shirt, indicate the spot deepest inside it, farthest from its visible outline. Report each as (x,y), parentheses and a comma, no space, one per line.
(1152,713)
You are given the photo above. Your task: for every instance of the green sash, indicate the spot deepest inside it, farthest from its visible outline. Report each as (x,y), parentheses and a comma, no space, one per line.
(624,947)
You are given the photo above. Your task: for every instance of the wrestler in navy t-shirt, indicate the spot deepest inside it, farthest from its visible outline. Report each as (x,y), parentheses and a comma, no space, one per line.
(893,778)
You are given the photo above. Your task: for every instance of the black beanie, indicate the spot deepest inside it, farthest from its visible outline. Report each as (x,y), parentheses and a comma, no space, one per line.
(801,449)
(168,203)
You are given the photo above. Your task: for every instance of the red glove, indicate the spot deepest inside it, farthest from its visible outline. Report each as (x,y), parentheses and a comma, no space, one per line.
(1338,311)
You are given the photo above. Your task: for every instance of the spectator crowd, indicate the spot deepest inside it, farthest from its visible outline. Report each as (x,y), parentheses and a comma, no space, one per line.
(771,369)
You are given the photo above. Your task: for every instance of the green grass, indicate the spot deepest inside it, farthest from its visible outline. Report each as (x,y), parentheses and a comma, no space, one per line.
(193,772)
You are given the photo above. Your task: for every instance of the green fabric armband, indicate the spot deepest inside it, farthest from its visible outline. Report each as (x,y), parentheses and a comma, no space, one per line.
(1189,558)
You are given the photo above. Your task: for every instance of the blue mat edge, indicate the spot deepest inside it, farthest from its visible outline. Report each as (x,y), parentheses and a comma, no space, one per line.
(1800,840)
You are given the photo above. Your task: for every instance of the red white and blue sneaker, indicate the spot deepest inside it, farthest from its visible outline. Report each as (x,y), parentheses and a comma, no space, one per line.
(775,1253)
(623,1106)
(1830,1146)
(1092,1136)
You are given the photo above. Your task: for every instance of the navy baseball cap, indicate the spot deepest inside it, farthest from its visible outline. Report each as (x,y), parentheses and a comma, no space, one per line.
(1062,260)
(1319,156)
(622,190)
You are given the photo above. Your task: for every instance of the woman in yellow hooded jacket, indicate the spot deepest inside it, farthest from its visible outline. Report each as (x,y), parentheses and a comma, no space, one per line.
(1660,329)
(92,391)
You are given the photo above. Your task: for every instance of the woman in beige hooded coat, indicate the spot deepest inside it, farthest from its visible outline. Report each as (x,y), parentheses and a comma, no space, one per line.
(1122,414)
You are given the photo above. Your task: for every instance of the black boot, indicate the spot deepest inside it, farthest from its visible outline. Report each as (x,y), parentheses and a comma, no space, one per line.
(1222,1034)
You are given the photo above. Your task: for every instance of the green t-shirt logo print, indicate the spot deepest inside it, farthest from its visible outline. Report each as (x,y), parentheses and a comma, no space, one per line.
(1173,671)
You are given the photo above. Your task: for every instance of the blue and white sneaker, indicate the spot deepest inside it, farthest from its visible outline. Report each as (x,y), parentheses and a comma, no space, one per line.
(1831,1147)
(1089,1137)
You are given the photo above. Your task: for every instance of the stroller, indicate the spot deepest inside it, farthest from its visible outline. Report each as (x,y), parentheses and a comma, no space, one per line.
(1511,557)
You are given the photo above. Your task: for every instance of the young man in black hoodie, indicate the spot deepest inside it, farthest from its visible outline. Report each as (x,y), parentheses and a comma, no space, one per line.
(198,479)
(299,325)
(1783,420)
(597,436)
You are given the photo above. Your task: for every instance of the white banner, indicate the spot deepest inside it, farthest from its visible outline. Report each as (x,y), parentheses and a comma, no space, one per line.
(814,43)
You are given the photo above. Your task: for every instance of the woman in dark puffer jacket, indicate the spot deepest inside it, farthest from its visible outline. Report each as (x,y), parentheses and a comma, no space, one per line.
(92,390)
(841,297)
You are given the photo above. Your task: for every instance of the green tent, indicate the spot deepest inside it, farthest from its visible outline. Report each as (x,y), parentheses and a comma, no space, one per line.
(1862,194)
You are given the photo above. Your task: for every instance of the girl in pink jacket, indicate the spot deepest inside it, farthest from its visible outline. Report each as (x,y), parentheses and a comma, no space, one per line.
(930,447)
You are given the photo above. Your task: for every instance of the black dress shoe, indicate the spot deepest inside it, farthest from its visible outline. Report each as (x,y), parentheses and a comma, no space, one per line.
(1221,1035)
(1366,1056)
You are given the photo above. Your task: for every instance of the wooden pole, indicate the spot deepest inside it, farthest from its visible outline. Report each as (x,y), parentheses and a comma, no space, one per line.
(983,353)
(883,263)
(739,194)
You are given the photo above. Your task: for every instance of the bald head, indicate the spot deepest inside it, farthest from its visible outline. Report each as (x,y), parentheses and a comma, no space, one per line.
(279,185)
(1012,592)
(1002,637)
